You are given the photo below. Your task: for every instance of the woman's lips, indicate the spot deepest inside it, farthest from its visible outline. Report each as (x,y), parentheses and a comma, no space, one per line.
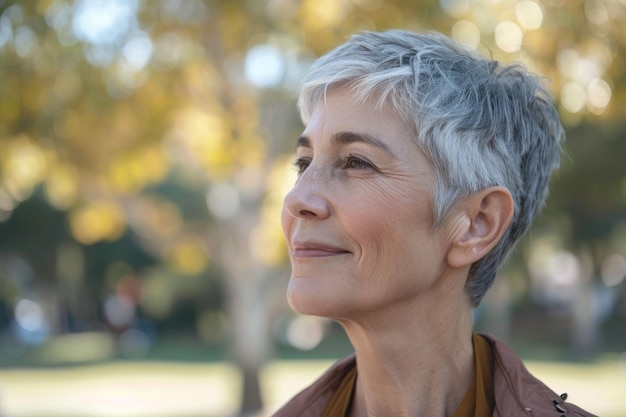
(315,250)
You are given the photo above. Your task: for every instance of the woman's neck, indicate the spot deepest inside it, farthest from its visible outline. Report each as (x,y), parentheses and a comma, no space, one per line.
(422,367)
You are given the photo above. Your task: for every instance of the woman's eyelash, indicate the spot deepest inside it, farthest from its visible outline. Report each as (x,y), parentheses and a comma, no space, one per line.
(301,164)
(349,162)
(355,162)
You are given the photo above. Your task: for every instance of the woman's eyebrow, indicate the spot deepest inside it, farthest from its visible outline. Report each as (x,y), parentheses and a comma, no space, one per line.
(303,141)
(346,138)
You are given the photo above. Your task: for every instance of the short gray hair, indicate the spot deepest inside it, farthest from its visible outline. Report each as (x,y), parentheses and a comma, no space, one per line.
(480,123)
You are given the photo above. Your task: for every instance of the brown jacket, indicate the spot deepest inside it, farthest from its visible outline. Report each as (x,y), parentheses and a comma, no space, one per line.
(517,392)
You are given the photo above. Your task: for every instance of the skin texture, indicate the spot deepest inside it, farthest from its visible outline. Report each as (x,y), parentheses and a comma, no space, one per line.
(365,252)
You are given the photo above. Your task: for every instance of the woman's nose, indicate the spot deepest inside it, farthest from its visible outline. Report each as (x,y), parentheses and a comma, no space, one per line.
(308,198)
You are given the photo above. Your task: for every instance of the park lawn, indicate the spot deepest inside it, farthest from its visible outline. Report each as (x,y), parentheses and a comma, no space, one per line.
(173,389)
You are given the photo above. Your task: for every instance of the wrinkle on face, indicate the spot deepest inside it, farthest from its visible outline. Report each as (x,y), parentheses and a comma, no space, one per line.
(383,216)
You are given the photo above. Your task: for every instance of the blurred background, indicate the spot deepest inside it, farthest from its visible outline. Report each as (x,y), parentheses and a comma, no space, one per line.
(145,147)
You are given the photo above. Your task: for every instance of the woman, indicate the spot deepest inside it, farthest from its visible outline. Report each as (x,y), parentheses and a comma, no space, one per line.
(420,167)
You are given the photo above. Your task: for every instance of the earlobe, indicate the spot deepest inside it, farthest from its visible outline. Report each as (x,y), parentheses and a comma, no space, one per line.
(487,214)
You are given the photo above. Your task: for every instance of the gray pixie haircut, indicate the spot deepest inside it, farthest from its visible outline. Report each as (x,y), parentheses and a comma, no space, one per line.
(480,123)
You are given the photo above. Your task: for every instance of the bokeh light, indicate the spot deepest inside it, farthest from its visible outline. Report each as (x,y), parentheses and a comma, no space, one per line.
(29,315)
(320,14)
(96,221)
(104,22)
(305,332)
(508,36)
(466,33)
(599,95)
(188,256)
(137,50)
(62,187)
(119,311)
(6,30)
(455,8)
(223,200)
(264,66)
(529,14)
(25,41)
(32,327)
(573,97)
(596,12)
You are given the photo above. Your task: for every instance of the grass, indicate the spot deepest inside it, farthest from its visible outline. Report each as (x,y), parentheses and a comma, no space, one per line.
(85,376)
(168,389)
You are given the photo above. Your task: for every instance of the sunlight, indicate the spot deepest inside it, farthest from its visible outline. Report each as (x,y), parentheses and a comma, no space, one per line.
(467,33)
(104,22)
(508,36)
(529,14)
(264,66)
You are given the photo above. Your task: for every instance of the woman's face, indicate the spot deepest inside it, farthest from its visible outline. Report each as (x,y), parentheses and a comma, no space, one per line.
(358,221)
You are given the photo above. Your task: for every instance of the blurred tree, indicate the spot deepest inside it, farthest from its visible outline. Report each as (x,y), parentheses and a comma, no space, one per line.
(166,123)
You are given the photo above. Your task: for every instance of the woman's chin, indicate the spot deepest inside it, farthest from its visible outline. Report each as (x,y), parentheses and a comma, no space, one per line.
(305,298)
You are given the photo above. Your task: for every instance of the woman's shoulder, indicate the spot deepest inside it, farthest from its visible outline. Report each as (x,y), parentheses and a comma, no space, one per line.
(515,388)
(312,401)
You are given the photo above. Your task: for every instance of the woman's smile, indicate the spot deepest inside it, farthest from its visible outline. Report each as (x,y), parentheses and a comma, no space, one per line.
(364,190)
(311,249)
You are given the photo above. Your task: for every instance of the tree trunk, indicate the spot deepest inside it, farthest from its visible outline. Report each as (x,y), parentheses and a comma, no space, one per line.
(251,398)
(247,306)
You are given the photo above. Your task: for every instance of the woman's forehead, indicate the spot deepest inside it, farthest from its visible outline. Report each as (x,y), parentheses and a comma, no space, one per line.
(339,111)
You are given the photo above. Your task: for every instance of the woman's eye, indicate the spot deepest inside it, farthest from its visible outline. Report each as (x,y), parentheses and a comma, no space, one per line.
(352,162)
(301,164)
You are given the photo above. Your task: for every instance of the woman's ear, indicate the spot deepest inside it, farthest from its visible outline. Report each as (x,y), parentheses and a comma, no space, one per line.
(486,216)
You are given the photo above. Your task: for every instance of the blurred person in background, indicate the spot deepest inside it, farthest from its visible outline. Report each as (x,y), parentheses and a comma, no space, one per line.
(420,167)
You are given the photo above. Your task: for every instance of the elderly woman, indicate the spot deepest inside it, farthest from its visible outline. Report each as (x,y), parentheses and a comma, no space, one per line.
(420,167)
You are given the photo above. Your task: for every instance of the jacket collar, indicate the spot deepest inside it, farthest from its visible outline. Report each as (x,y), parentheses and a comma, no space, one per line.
(517,392)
